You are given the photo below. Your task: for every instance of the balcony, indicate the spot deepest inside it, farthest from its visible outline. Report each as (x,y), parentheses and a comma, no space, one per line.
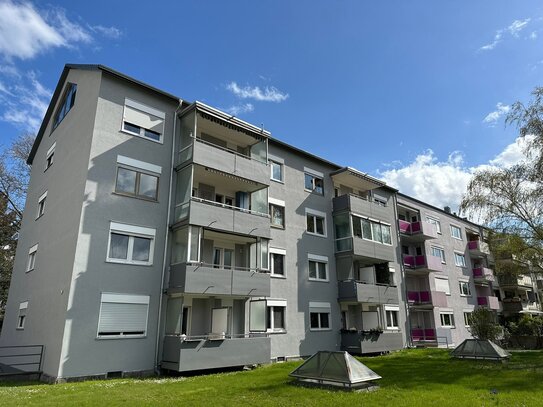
(515,282)
(421,336)
(489,302)
(417,231)
(427,299)
(511,305)
(362,206)
(422,264)
(359,342)
(369,293)
(195,278)
(227,218)
(483,275)
(182,354)
(478,248)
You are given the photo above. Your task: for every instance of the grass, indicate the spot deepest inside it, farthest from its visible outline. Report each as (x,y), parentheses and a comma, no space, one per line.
(410,378)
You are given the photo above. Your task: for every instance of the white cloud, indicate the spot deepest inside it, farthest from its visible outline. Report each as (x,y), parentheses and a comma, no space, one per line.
(236,110)
(442,183)
(26,31)
(533,35)
(492,118)
(267,94)
(513,29)
(109,32)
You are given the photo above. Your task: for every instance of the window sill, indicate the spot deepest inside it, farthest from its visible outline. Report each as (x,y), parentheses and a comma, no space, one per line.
(277,227)
(276,331)
(311,191)
(112,337)
(141,198)
(278,181)
(128,263)
(319,280)
(279,276)
(40,216)
(320,329)
(143,137)
(315,234)
(28,271)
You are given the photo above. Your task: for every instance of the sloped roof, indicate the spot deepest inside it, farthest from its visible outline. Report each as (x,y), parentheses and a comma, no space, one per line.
(477,349)
(327,367)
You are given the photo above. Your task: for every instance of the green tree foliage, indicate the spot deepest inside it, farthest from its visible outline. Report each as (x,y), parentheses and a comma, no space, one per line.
(14,178)
(482,325)
(510,200)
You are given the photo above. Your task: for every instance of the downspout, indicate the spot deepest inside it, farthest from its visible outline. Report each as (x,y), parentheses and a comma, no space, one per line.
(165,263)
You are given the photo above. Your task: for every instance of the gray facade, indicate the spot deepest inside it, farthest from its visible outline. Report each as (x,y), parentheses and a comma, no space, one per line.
(177,237)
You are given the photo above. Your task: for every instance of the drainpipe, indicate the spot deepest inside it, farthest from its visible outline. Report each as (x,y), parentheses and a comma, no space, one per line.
(165,263)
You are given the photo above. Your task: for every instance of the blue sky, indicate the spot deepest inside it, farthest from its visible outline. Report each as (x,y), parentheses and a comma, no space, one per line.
(412,92)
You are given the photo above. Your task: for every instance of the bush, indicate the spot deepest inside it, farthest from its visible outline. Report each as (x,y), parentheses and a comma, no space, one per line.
(483,325)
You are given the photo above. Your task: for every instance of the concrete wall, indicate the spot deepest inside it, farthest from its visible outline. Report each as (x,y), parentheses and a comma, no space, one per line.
(47,287)
(83,353)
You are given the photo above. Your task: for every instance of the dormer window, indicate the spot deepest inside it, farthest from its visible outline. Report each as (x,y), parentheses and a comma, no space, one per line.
(66,104)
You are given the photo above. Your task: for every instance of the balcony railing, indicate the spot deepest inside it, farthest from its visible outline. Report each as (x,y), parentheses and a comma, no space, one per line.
(363,206)
(428,298)
(490,302)
(419,230)
(352,290)
(423,263)
(478,248)
(483,274)
(423,335)
(360,342)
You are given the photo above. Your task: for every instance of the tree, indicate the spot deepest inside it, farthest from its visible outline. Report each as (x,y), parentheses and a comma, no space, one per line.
(482,325)
(510,200)
(14,178)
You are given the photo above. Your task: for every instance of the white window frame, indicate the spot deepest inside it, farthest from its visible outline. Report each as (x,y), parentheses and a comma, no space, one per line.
(123,299)
(436,222)
(50,155)
(145,109)
(41,205)
(467,316)
(316,214)
(448,290)
(23,307)
(318,259)
(462,285)
(271,304)
(441,251)
(451,319)
(281,165)
(281,252)
(317,307)
(458,256)
(32,254)
(280,204)
(453,228)
(316,175)
(131,231)
(396,309)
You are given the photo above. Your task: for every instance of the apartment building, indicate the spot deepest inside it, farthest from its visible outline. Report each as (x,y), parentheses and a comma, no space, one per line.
(166,235)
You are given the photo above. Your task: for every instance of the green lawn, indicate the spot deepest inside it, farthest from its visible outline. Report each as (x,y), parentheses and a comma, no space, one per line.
(421,378)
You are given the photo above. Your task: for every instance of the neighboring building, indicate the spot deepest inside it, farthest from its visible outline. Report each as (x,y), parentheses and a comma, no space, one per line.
(161,234)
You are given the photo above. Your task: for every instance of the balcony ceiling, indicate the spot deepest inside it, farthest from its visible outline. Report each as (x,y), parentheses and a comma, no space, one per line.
(223,180)
(355,179)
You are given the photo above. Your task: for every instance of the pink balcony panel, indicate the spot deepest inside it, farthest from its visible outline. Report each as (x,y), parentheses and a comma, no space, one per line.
(417,334)
(424,296)
(405,227)
(416,227)
(413,296)
(483,273)
(473,245)
(430,334)
(491,302)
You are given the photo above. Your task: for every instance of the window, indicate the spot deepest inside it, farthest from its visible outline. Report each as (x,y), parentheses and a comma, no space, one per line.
(319,316)
(275,315)
(435,222)
(277,262)
(467,318)
(371,230)
(464,288)
(142,120)
(316,222)
(276,171)
(380,200)
(223,258)
(459,260)
(456,232)
(277,213)
(130,244)
(49,156)
(123,315)
(313,181)
(318,267)
(132,181)
(442,284)
(438,252)
(21,317)
(32,252)
(41,205)
(447,319)
(66,104)
(391,314)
